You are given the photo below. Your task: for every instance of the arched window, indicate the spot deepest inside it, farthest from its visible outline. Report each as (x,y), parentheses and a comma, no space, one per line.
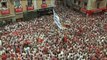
(29,2)
(98,4)
(85,3)
(17,3)
(4,4)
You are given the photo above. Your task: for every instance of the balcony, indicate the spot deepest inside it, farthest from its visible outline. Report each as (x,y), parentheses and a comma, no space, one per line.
(44,6)
(18,10)
(30,8)
(5,12)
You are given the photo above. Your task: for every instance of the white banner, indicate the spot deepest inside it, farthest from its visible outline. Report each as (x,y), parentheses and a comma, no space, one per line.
(56,19)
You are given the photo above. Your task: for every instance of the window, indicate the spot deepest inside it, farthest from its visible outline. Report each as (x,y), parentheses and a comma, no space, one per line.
(17,3)
(79,2)
(106,5)
(74,1)
(4,5)
(98,4)
(29,2)
(85,4)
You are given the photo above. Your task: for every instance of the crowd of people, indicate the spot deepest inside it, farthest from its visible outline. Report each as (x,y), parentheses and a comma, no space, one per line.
(85,38)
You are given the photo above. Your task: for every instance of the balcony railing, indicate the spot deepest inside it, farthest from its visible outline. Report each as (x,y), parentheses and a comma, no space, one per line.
(30,7)
(44,6)
(5,12)
(18,10)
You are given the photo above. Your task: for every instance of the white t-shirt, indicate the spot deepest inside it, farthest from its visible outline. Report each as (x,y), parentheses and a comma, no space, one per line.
(1,52)
(27,48)
(0,43)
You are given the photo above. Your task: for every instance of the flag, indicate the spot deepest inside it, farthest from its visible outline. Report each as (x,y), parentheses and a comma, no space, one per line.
(56,19)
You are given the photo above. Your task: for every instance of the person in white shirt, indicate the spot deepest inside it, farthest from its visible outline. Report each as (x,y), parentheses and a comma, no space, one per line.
(0,42)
